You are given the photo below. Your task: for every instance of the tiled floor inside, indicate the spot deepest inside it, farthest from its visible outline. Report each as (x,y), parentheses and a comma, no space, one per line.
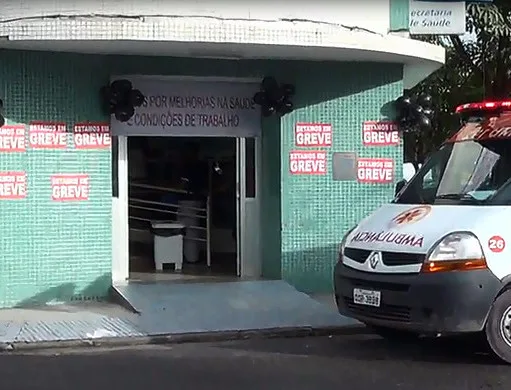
(151,277)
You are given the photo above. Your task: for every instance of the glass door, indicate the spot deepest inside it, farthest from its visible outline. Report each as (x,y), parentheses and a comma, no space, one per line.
(120,229)
(247,207)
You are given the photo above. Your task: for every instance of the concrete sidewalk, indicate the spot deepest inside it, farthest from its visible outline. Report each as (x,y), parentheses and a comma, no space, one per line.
(106,323)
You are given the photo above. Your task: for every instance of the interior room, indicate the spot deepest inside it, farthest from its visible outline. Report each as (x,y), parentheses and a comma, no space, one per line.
(182,207)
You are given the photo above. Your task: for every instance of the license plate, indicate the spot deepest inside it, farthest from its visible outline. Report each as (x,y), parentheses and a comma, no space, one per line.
(366,297)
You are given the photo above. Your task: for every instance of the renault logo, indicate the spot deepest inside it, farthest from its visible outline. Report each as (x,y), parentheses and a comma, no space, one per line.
(374,258)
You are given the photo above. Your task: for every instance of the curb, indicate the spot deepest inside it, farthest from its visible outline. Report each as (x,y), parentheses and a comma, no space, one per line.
(204,337)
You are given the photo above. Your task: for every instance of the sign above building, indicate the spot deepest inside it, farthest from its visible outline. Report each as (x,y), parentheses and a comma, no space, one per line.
(437,17)
(187,107)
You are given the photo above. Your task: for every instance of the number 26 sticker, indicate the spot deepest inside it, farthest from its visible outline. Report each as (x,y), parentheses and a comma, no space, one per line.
(496,244)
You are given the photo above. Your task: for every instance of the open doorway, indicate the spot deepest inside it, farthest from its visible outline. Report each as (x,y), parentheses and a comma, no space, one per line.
(182,190)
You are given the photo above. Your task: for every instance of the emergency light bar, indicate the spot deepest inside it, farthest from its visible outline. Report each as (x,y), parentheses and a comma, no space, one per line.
(482,106)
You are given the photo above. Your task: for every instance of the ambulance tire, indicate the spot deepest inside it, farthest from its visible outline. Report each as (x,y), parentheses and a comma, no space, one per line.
(394,335)
(498,324)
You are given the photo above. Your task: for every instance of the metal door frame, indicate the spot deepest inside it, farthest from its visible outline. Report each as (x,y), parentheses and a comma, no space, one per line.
(244,269)
(120,221)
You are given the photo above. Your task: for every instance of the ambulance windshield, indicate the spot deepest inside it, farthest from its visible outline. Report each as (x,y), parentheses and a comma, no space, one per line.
(472,168)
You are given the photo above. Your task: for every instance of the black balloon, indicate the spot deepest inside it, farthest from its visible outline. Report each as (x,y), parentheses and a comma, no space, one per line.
(269,83)
(424,122)
(426,101)
(288,89)
(122,86)
(403,102)
(124,113)
(405,125)
(120,99)
(414,113)
(274,98)
(268,110)
(260,98)
(428,112)
(286,107)
(116,97)
(136,98)
(417,110)
(275,95)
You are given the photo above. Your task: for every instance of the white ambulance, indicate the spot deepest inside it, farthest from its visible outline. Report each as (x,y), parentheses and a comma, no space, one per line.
(437,259)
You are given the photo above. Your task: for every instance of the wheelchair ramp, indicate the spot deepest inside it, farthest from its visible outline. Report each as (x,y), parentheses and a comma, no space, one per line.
(177,308)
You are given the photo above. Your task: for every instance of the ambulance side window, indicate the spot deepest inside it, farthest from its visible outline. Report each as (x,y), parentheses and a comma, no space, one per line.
(429,184)
(502,197)
(431,179)
(499,180)
(424,185)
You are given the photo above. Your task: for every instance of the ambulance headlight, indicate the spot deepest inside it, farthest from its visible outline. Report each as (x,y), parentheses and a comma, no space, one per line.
(456,252)
(343,242)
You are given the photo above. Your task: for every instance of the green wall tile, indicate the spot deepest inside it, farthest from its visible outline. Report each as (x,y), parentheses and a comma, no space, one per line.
(399,15)
(317,211)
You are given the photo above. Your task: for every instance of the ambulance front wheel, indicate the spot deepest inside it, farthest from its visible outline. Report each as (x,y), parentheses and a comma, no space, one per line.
(498,327)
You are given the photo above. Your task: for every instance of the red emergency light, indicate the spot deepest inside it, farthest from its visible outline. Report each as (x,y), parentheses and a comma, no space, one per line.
(482,106)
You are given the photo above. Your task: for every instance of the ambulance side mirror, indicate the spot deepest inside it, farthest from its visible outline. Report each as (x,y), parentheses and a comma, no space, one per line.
(399,186)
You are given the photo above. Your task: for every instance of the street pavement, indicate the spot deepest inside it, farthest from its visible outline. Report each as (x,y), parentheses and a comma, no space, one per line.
(357,362)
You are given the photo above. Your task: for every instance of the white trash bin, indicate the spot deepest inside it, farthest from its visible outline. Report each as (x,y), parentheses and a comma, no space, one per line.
(188,215)
(168,244)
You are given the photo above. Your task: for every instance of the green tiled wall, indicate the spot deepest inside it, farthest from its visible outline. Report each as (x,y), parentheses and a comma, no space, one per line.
(317,211)
(52,251)
(399,15)
(59,252)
